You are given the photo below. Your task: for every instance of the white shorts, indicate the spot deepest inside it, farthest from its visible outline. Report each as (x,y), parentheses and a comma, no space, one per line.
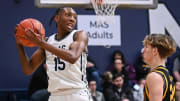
(81,95)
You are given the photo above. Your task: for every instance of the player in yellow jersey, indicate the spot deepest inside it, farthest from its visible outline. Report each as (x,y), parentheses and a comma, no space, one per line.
(159,83)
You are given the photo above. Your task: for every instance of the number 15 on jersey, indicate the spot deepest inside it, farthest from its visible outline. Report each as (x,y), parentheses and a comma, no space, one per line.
(59,65)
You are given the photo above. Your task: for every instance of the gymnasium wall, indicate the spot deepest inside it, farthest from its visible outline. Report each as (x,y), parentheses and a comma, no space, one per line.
(134,27)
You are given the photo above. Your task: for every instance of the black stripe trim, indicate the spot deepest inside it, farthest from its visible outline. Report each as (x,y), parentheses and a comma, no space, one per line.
(81,68)
(81,63)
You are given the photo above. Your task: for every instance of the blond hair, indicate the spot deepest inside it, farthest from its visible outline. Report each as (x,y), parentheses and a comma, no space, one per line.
(108,76)
(164,43)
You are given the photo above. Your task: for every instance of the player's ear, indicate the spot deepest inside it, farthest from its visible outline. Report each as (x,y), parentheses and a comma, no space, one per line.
(155,51)
(56,18)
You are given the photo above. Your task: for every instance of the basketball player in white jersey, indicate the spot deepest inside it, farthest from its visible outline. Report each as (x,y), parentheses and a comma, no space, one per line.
(66,58)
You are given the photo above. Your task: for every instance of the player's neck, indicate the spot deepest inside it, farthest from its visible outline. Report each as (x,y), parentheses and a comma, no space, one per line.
(61,35)
(159,62)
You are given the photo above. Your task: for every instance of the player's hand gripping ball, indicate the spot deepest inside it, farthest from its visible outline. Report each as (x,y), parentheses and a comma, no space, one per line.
(32,24)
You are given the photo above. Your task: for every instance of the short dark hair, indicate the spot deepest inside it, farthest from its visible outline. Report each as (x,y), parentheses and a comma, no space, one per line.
(121,54)
(56,12)
(118,75)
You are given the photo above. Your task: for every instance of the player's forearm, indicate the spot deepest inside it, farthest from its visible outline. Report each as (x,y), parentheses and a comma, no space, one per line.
(24,60)
(63,54)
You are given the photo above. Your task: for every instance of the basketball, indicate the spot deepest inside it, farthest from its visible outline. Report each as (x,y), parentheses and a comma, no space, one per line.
(34,25)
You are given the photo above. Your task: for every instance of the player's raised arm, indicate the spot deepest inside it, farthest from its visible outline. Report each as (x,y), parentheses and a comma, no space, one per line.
(29,65)
(79,45)
(76,48)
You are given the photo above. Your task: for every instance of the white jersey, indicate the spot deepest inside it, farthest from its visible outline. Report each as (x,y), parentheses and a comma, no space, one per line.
(65,77)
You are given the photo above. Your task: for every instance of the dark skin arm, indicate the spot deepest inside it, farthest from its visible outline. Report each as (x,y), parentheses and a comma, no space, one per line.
(29,65)
(71,55)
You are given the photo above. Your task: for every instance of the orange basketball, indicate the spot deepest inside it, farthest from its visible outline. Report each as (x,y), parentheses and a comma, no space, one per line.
(32,24)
